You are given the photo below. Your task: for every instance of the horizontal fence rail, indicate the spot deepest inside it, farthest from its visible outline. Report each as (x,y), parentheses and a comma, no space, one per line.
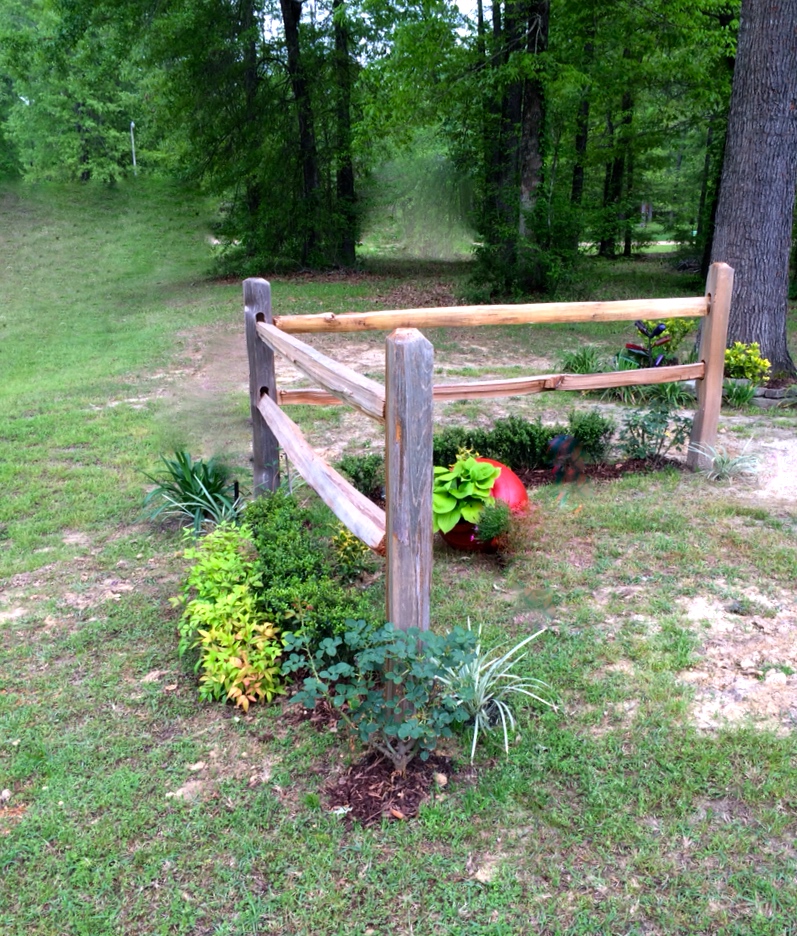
(519,386)
(403,530)
(541,313)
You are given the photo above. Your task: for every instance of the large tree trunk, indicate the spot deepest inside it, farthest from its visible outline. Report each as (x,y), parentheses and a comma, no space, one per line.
(344,176)
(759,177)
(291,14)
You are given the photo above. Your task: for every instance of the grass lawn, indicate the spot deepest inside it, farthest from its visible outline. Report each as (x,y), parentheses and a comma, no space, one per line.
(661,798)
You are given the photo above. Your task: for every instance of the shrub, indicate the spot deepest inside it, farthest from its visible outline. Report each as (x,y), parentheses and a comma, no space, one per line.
(350,554)
(652,433)
(592,432)
(297,585)
(411,719)
(744,361)
(200,490)
(366,473)
(238,650)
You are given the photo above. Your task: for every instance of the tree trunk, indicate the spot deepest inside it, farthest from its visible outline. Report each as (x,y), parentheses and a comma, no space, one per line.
(346,197)
(291,14)
(759,178)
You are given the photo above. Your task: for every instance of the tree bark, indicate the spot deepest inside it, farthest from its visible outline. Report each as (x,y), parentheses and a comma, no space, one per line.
(344,176)
(759,178)
(291,14)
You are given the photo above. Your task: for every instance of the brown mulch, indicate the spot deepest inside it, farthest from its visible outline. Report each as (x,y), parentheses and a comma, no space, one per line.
(371,790)
(601,471)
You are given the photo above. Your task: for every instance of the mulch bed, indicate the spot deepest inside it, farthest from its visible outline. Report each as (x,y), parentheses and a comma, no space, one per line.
(601,471)
(371,790)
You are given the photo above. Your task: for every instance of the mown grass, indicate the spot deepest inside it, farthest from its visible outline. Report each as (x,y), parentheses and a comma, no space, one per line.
(613,815)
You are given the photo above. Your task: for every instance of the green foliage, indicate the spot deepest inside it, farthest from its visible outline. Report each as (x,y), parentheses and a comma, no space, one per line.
(592,431)
(674,395)
(297,587)
(521,443)
(676,329)
(738,393)
(461,492)
(350,554)
(366,472)
(494,521)
(391,693)
(745,361)
(486,683)
(238,651)
(199,490)
(652,433)
(584,360)
(724,467)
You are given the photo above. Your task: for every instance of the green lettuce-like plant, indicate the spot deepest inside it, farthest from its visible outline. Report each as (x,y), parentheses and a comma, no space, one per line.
(486,683)
(461,492)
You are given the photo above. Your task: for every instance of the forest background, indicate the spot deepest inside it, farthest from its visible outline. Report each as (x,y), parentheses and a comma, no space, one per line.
(523,132)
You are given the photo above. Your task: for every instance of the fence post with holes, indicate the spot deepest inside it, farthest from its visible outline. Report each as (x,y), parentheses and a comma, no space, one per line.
(262,380)
(713,338)
(409,366)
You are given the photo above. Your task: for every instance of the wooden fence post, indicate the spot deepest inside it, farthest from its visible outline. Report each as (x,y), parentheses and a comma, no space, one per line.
(262,379)
(714,335)
(409,366)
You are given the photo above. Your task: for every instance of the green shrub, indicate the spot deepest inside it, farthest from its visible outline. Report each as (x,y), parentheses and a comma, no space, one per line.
(744,361)
(652,433)
(366,472)
(353,670)
(238,650)
(738,395)
(447,443)
(592,431)
(298,589)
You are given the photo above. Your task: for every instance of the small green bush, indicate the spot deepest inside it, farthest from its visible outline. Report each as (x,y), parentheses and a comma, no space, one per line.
(744,361)
(592,431)
(652,433)
(353,670)
(238,648)
(366,472)
(298,588)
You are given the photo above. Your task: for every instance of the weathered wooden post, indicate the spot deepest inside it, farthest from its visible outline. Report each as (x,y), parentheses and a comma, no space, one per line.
(714,335)
(409,366)
(262,380)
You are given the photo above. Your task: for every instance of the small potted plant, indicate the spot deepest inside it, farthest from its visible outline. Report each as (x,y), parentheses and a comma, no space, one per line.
(463,491)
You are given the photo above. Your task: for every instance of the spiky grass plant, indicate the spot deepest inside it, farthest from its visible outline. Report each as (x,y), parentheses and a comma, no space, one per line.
(486,684)
(724,467)
(584,360)
(201,490)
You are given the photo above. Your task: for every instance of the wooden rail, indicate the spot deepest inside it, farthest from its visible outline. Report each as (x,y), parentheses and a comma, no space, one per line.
(519,386)
(404,404)
(542,313)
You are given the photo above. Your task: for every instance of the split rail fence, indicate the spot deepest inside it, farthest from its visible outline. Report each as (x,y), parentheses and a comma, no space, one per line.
(403,531)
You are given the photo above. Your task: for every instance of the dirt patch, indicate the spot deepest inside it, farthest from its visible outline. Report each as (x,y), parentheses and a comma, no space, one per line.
(748,665)
(371,790)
